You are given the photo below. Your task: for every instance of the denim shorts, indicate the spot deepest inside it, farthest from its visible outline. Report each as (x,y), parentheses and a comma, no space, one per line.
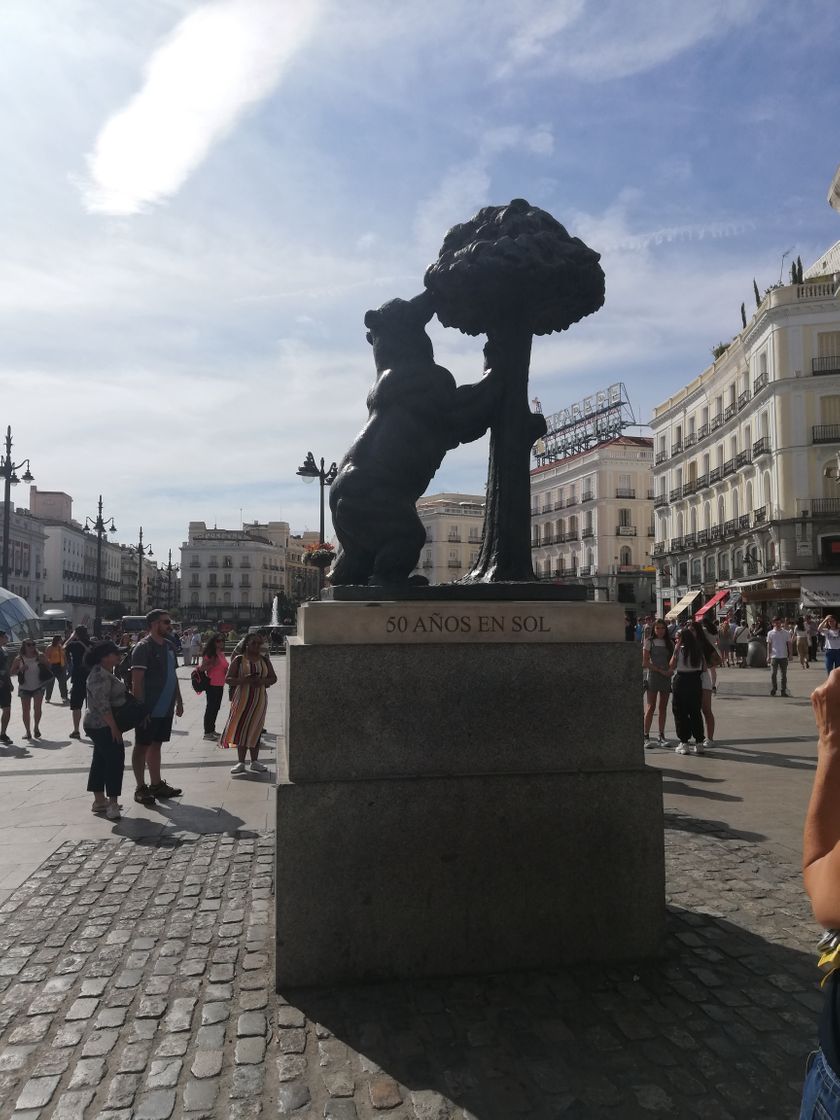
(821,1093)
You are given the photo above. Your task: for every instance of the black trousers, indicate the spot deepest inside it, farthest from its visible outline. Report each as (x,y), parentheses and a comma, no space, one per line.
(214,693)
(107,764)
(687,703)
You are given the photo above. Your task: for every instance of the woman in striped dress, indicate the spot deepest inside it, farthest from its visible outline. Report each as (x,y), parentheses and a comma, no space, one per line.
(250,675)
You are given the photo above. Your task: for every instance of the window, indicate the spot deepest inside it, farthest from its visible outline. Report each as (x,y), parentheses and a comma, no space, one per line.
(227,597)
(723,566)
(624,517)
(211,579)
(625,557)
(244,597)
(227,562)
(194,598)
(212,598)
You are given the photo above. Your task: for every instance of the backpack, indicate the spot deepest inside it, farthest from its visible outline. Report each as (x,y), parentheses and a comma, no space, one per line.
(199,680)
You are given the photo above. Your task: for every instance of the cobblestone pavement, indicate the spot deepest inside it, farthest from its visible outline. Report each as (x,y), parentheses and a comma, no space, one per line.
(135,982)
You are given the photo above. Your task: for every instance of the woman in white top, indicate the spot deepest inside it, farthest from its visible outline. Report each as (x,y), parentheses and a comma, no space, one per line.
(831,633)
(33,672)
(688,664)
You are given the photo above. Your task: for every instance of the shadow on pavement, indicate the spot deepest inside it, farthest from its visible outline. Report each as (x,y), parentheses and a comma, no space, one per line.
(718,828)
(735,753)
(180,817)
(680,788)
(720,1028)
(15,752)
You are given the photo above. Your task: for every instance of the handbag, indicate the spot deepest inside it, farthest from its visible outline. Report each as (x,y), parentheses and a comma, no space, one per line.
(128,715)
(199,680)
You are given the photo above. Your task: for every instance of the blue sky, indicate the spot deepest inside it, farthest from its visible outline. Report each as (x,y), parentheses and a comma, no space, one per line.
(201,200)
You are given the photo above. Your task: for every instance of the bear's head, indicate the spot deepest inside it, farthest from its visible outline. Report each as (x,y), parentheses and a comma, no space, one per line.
(397,331)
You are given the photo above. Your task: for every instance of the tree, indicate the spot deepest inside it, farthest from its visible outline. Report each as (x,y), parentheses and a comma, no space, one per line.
(757,296)
(511,272)
(743,316)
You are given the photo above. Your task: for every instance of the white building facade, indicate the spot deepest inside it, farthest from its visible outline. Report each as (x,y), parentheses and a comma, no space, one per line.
(592,521)
(454,525)
(233,575)
(743,506)
(26,557)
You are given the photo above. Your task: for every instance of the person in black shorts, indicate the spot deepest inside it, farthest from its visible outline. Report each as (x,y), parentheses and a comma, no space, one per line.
(5,692)
(75,649)
(155,685)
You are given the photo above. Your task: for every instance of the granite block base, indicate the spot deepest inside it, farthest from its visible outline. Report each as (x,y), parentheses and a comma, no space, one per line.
(434,876)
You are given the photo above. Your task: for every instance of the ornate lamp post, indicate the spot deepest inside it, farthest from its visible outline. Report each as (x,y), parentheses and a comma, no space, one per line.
(140,551)
(100,528)
(8,468)
(309,471)
(170,569)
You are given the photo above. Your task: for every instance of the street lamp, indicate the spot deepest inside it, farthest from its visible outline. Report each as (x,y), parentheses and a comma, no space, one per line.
(309,471)
(10,479)
(141,551)
(170,568)
(99,527)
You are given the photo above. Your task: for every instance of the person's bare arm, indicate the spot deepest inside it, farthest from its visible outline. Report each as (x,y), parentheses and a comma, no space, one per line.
(138,684)
(821,841)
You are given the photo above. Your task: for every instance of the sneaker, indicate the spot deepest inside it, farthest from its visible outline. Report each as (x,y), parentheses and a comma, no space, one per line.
(647,742)
(143,796)
(663,742)
(772,692)
(708,743)
(164,789)
(5,740)
(113,812)
(75,735)
(682,748)
(239,768)
(99,810)
(785,693)
(258,768)
(209,737)
(695,748)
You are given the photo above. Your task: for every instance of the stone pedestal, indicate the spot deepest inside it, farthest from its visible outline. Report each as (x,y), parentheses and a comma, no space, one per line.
(463,791)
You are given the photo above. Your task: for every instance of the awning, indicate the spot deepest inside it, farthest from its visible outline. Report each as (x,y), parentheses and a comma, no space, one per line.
(682,605)
(718,597)
(821,591)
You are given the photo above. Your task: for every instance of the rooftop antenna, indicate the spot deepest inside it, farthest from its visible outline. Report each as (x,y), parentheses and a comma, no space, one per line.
(786,253)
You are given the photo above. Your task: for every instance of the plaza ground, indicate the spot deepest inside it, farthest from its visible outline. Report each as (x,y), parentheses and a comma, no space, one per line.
(135,957)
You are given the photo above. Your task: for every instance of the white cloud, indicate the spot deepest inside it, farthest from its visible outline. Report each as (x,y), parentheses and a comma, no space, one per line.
(220,59)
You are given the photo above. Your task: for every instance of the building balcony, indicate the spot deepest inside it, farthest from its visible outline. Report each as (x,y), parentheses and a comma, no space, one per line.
(743,458)
(703,536)
(659,548)
(571,535)
(660,500)
(730,527)
(661,456)
(586,534)
(195,563)
(559,505)
(730,411)
(589,496)
(828,364)
(701,482)
(455,538)
(625,492)
(454,564)
(689,440)
(689,540)
(703,431)
(817,507)
(825,433)
(676,448)
(761,447)
(676,544)
(737,571)
(572,501)
(714,534)
(587,570)
(760,383)
(760,515)
(744,522)
(651,532)
(743,399)
(676,493)
(689,488)
(626,531)
(716,422)
(728,467)
(715,475)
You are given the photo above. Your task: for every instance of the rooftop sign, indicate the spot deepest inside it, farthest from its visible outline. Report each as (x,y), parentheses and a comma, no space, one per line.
(601,416)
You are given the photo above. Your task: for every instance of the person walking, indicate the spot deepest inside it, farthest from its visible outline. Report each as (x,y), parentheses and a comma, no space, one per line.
(56,659)
(725,643)
(800,635)
(711,657)
(5,692)
(75,650)
(33,672)
(656,657)
(778,652)
(830,634)
(154,683)
(250,673)
(687,663)
(105,693)
(813,637)
(215,665)
(741,638)
(195,647)
(708,631)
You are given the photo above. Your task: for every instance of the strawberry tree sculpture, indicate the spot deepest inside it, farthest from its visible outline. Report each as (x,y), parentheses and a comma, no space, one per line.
(509,273)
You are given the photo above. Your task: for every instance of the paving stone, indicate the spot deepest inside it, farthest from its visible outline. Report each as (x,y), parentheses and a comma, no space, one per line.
(256,1001)
(339,1083)
(122,1089)
(68,1035)
(290,1067)
(290,1016)
(247,1081)
(134,1057)
(180,1015)
(71,1106)
(157,1105)
(200,1096)
(249,1051)
(340,1108)
(37,1093)
(173,1046)
(214,1013)
(251,1023)
(211,1038)
(15,1057)
(291,1096)
(207,1063)
(151,1007)
(164,1073)
(110,1017)
(291,1041)
(100,1043)
(33,1030)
